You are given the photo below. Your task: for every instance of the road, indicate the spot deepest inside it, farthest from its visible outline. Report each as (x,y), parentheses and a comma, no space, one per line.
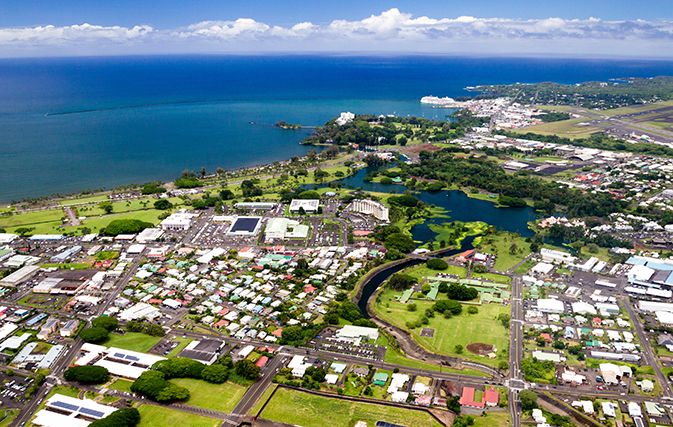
(515,381)
(255,392)
(648,354)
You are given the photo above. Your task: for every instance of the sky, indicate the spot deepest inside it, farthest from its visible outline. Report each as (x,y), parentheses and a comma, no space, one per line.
(615,28)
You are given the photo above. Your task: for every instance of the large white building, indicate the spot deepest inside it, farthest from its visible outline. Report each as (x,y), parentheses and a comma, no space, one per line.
(309,205)
(177,221)
(551,255)
(283,228)
(370,207)
(550,306)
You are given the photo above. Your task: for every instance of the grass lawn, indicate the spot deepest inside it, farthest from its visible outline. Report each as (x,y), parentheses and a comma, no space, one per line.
(218,397)
(500,244)
(564,128)
(523,268)
(299,408)
(10,413)
(96,223)
(636,109)
(493,419)
(184,342)
(397,358)
(134,341)
(463,329)
(498,278)
(255,409)
(121,385)
(91,199)
(44,222)
(158,416)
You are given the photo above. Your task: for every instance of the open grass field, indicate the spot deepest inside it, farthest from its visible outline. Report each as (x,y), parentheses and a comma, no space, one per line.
(294,407)
(565,128)
(158,416)
(463,329)
(500,245)
(134,341)
(91,199)
(397,358)
(44,222)
(121,385)
(498,278)
(420,272)
(493,419)
(218,397)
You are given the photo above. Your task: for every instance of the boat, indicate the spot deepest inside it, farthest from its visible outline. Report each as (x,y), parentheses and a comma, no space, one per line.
(434,100)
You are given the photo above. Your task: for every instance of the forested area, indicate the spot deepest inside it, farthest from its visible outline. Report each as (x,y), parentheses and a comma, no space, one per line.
(371,130)
(487,175)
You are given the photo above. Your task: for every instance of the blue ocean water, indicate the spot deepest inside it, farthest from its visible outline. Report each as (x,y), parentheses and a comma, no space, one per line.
(139,119)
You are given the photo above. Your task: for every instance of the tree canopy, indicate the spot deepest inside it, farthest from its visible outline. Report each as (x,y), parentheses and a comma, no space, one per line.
(156,387)
(125,226)
(107,322)
(87,374)
(95,335)
(125,417)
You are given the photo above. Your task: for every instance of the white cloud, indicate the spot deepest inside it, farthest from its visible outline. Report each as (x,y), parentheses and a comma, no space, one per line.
(390,30)
(58,35)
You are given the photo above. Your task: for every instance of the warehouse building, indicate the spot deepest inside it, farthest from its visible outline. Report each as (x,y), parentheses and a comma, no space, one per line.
(309,205)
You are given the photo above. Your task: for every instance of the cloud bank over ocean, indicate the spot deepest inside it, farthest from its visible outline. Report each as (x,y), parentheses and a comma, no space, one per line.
(391,31)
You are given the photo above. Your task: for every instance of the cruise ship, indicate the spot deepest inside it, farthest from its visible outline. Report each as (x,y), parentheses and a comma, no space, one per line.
(437,101)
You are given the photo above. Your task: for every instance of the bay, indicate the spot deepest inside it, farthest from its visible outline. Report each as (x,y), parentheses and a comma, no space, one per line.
(145,118)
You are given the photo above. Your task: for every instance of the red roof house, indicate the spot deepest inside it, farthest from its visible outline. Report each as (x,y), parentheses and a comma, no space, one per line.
(491,397)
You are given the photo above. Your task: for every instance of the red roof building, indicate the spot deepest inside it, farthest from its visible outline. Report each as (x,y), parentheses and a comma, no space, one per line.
(491,397)
(467,398)
(262,361)
(546,337)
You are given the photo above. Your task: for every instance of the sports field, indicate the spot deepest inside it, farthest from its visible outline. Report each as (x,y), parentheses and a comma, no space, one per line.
(294,407)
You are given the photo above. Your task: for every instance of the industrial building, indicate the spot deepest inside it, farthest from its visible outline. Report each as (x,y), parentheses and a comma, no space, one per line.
(149,235)
(204,351)
(21,275)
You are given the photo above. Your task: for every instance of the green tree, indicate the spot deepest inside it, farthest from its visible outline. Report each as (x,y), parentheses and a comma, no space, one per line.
(124,417)
(163,204)
(215,373)
(528,400)
(453,404)
(107,322)
(95,335)
(399,241)
(87,374)
(436,264)
(472,309)
(247,369)
(458,349)
(106,207)
(412,307)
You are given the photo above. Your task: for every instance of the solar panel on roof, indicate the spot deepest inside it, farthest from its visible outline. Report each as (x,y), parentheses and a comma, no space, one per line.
(121,356)
(64,405)
(92,412)
(134,358)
